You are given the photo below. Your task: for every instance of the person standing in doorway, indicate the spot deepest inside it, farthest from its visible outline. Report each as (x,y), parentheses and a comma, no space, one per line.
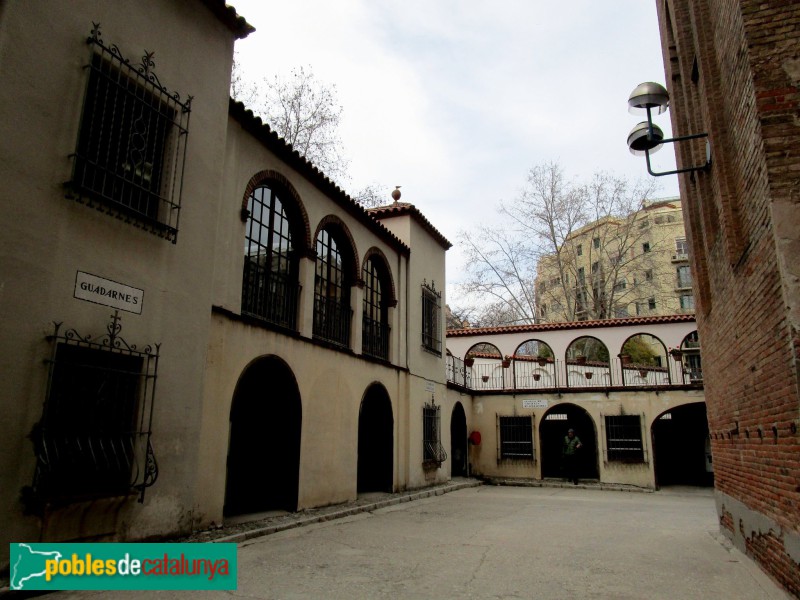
(569,455)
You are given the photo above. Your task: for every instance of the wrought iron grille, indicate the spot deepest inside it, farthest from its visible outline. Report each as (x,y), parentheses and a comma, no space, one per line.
(516,437)
(332,312)
(270,289)
(269,296)
(94,436)
(375,338)
(624,438)
(431,312)
(132,138)
(433,451)
(375,330)
(332,320)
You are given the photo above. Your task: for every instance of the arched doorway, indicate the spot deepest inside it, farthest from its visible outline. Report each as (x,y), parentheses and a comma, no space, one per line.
(264,443)
(552,430)
(458,442)
(680,446)
(375,441)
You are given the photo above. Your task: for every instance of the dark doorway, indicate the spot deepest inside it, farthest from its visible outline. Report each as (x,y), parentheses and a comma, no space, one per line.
(552,431)
(264,446)
(458,442)
(680,447)
(375,441)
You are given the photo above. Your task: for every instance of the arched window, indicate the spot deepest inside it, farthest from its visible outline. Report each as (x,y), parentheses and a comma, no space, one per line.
(269,285)
(375,331)
(332,312)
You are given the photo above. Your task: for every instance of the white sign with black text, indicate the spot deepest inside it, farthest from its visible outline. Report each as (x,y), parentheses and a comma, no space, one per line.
(534,403)
(108,293)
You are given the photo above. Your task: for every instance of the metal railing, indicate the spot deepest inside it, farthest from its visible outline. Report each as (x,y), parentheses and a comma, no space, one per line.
(332,320)
(375,338)
(269,296)
(525,373)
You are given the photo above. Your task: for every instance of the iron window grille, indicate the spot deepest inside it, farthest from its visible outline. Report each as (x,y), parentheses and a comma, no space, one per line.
(270,289)
(431,314)
(624,438)
(131,147)
(516,437)
(332,312)
(433,451)
(375,326)
(93,439)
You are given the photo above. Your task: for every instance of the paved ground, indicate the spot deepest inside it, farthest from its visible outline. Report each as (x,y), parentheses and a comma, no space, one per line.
(500,542)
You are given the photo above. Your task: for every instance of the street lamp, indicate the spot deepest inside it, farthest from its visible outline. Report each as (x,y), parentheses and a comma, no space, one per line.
(646,138)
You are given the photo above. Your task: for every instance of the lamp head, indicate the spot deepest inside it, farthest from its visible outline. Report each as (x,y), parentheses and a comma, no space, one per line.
(640,139)
(648,95)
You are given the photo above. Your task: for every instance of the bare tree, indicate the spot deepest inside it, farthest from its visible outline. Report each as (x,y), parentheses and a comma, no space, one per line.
(302,110)
(373,195)
(543,241)
(501,272)
(595,249)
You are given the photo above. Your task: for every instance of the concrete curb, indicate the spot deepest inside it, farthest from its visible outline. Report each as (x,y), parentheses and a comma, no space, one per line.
(549,483)
(349,511)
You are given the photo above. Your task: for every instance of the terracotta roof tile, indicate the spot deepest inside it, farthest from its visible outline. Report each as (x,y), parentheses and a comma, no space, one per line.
(398,209)
(573,325)
(227,14)
(283,150)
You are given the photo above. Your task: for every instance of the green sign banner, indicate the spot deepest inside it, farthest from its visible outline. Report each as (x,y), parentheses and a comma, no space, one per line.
(101,566)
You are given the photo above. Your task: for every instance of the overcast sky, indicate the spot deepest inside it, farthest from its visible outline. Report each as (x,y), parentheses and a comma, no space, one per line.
(457,100)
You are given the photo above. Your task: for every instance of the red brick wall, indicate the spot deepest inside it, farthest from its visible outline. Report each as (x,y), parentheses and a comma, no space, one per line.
(733,70)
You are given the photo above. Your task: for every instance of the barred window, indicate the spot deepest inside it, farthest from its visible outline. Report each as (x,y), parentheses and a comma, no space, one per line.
(431,311)
(516,437)
(432,449)
(624,438)
(93,439)
(269,283)
(375,331)
(332,312)
(131,142)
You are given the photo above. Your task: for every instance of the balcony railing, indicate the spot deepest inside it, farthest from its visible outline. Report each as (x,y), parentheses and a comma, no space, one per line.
(332,320)
(272,296)
(529,374)
(375,338)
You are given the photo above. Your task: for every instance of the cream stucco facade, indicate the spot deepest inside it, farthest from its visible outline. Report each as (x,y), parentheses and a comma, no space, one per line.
(234,404)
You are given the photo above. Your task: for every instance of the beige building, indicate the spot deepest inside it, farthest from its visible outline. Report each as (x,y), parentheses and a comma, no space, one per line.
(195,322)
(641,424)
(619,267)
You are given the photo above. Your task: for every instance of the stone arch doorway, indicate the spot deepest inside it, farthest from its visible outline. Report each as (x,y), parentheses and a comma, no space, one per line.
(681,448)
(263,467)
(375,441)
(553,428)
(458,442)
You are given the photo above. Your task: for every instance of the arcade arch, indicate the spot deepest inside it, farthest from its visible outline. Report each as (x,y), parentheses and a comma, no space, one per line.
(263,465)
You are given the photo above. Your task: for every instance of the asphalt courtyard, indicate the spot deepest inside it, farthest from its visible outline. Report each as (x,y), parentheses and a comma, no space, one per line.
(501,542)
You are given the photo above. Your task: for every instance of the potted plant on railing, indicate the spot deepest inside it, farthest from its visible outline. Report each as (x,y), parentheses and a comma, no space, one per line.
(537,376)
(643,373)
(506,361)
(588,374)
(676,353)
(542,361)
(625,358)
(469,361)
(484,378)
(581,359)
